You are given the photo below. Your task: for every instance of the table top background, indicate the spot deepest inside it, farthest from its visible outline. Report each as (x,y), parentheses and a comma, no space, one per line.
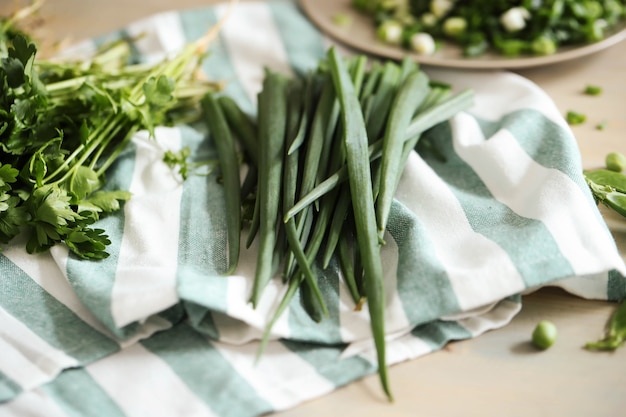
(498,373)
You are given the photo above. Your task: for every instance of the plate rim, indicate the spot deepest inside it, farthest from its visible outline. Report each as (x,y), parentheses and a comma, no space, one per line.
(321,15)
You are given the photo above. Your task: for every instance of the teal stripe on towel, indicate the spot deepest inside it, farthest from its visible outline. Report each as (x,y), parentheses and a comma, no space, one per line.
(547,143)
(544,141)
(94,281)
(528,242)
(617,286)
(328,363)
(203,233)
(202,252)
(48,318)
(206,372)
(304,49)
(217,65)
(79,395)
(8,388)
(422,301)
(438,333)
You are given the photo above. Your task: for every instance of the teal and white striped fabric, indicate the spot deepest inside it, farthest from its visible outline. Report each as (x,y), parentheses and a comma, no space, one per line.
(154,331)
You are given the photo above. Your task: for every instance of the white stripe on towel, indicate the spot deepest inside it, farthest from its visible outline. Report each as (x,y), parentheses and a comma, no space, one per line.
(26,358)
(158,381)
(247,34)
(145,281)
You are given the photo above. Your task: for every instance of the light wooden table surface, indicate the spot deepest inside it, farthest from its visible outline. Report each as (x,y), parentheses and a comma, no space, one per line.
(497,374)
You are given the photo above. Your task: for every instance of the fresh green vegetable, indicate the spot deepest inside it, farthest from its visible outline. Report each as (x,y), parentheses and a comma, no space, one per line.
(349,271)
(608,186)
(543,45)
(336,229)
(575,118)
(454,26)
(357,157)
(616,331)
(544,334)
(272,127)
(605,177)
(242,126)
(601,125)
(411,95)
(507,27)
(615,161)
(593,90)
(422,121)
(331,146)
(295,121)
(390,31)
(342,20)
(229,168)
(181,159)
(385,91)
(422,43)
(63,124)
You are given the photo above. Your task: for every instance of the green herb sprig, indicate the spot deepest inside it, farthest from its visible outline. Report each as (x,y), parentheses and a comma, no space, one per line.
(63,124)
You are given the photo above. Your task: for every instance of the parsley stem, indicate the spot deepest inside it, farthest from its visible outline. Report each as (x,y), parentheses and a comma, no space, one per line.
(84,150)
(67,84)
(104,139)
(118,149)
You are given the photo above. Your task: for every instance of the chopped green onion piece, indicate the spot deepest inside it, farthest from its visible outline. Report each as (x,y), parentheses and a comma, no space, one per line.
(390,31)
(575,118)
(543,45)
(615,161)
(615,333)
(342,19)
(593,90)
(454,26)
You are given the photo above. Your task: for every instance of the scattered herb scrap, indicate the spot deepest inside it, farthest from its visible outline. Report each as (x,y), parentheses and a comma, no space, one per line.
(593,90)
(575,118)
(615,336)
(182,159)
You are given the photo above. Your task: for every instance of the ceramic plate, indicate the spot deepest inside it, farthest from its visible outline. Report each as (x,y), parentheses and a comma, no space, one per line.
(360,34)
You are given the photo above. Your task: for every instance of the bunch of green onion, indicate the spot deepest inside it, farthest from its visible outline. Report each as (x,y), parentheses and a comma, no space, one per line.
(325,157)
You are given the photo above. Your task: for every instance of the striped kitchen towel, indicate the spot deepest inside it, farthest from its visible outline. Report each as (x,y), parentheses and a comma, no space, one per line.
(155,330)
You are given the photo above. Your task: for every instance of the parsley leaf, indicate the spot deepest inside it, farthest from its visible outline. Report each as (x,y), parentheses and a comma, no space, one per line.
(104,201)
(8,175)
(88,243)
(12,217)
(51,204)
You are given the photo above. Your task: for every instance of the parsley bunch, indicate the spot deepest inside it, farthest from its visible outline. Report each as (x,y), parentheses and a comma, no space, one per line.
(62,125)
